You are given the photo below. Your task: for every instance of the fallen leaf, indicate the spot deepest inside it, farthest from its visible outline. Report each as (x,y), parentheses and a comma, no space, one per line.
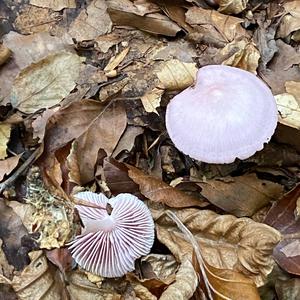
(241,195)
(103,133)
(125,13)
(56,5)
(288,289)
(45,83)
(5,54)
(293,88)
(104,42)
(242,54)
(226,242)
(6,269)
(38,281)
(61,257)
(231,6)
(8,165)
(151,100)
(126,142)
(289,110)
(73,165)
(4,138)
(158,191)
(116,60)
(91,22)
(177,75)
(282,217)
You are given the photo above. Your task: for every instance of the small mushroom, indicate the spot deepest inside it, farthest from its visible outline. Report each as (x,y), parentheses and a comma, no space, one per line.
(114,235)
(229,113)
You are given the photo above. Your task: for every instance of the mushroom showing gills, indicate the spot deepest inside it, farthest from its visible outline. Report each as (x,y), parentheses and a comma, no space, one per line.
(111,242)
(229,113)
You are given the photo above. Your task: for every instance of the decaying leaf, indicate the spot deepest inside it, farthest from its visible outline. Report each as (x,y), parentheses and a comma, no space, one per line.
(226,242)
(7,165)
(4,138)
(242,54)
(56,5)
(151,100)
(158,191)
(45,83)
(38,281)
(243,195)
(6,269)
(284,216)
(5,54)
(91,22)
(232,6)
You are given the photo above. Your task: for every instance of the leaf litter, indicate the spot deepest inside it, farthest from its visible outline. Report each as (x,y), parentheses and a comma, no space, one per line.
(84,87)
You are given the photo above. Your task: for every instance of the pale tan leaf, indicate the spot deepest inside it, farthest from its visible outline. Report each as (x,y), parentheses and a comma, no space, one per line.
(158,191)
(116,60)
(4,138)
(232,6)
(176,75)
(45,83)
(7,165)
(243,55)
(185,285)
(289,110)
(37,280)
(56,5)
(91,22)
(226,242)
(5,54)
(293,88)
(151,100)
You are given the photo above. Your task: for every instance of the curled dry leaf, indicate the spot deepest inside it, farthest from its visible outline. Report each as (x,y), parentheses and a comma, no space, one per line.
(242,54)
(45,83)
(243,195)
(158,191)
(226,242)
(91,22)
(37,281)
(151,100)
(4,138)
(7,165)
(284,216)
(231,6)
(116,60)
(56,5)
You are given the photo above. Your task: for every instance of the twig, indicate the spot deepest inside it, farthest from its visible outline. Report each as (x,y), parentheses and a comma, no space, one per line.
(19,171)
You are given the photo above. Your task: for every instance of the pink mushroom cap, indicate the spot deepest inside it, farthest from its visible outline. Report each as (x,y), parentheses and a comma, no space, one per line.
(229,113)
(110,243)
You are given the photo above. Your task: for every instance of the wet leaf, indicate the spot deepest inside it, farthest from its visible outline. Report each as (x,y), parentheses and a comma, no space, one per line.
(45,83)
(158,191)
(91,22)
(4,138)
(8,165)
(242,195)
(54,4)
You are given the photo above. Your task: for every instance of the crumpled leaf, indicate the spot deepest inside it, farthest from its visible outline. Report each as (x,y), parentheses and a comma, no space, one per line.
(45,83)
(37,281)
(56,5)
(143,17)
(232,6)
(151,100)
(243,55)
(226,242)
(284,216)
(116,60)
(158,191)
(91,22)
(241,195)
(7,165)
(5,54)
(290,22)
(4,138)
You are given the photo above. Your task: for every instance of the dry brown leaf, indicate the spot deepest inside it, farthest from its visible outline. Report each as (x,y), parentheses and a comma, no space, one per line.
(4,138)
(242,54)
(214,26)
(127,140)
(5,54)
(73,165)
(56,5)
(6,269)
(151,100)
(232,6)
(125,13)
(288,289)
(177,75)
(243,195)
(116,60)
(226,242)
(91,22)
(103,133)
(104,42)
(45,83)
(7,165)
(37,281)
(158,191)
